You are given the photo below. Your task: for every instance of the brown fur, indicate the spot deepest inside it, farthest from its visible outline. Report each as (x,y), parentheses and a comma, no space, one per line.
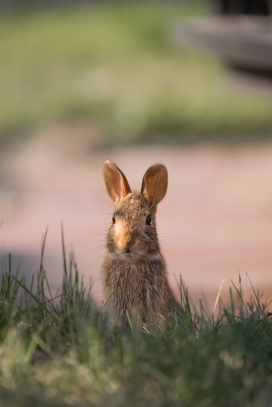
(134,272)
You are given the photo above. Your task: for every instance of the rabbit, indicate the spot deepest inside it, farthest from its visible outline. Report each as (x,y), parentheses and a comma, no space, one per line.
(134,275)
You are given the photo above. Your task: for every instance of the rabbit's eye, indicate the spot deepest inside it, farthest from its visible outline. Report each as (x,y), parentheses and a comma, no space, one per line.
(148,220)
(113,219)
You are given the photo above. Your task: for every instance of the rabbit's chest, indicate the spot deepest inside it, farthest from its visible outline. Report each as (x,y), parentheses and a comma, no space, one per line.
(133,286)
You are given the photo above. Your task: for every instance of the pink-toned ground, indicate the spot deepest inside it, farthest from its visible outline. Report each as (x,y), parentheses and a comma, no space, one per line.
(215,220)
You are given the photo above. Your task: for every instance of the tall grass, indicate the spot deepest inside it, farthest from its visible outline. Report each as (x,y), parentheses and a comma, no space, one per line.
(55,349)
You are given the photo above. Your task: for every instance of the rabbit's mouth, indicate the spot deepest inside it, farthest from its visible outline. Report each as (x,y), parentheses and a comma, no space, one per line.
(129,254)
(135,255)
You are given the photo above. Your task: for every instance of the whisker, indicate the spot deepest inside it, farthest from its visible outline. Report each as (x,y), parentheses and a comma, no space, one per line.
(93,234)
(176,260)
(93,251)
(172,237)
(97,248)
(102,207)
(89,244)
(107,203)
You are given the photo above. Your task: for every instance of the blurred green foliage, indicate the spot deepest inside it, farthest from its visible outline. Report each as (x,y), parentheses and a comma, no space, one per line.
(116,66)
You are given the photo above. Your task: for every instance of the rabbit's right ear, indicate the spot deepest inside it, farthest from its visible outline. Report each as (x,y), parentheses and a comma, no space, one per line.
(116,183)
(154,185)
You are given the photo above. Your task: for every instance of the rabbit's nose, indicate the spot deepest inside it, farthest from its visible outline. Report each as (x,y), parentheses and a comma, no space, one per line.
(124,247)
(123,243)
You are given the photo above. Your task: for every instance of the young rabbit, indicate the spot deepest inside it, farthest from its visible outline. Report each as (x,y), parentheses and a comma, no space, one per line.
(134,274)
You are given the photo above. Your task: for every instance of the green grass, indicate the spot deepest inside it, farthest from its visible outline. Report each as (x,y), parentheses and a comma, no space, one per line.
(56,350)
(115,66)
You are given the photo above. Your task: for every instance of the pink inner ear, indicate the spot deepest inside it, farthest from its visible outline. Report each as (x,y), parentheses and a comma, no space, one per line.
(155,184)
(116,183)
(151,183)
(116,201)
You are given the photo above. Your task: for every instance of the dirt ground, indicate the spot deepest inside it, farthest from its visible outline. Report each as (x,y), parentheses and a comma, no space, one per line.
(215,220)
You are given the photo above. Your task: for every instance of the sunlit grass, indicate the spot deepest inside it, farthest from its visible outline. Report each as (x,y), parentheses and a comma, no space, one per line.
(115,65)
(56,349)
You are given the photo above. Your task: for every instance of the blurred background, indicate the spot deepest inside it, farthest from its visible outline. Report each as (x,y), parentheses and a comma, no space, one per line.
(186,83)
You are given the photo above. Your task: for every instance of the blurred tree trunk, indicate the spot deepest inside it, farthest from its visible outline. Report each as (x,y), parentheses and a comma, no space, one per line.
(257,7)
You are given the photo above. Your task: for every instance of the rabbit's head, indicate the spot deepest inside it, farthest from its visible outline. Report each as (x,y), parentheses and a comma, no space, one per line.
(133,234)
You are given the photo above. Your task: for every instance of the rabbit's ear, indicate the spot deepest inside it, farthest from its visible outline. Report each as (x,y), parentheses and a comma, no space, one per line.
(154,185)
(116,183)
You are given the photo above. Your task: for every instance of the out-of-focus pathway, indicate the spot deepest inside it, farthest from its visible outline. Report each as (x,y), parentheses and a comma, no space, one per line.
(215,220)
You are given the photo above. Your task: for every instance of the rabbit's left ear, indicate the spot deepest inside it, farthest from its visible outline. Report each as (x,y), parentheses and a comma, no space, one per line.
(154,185)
